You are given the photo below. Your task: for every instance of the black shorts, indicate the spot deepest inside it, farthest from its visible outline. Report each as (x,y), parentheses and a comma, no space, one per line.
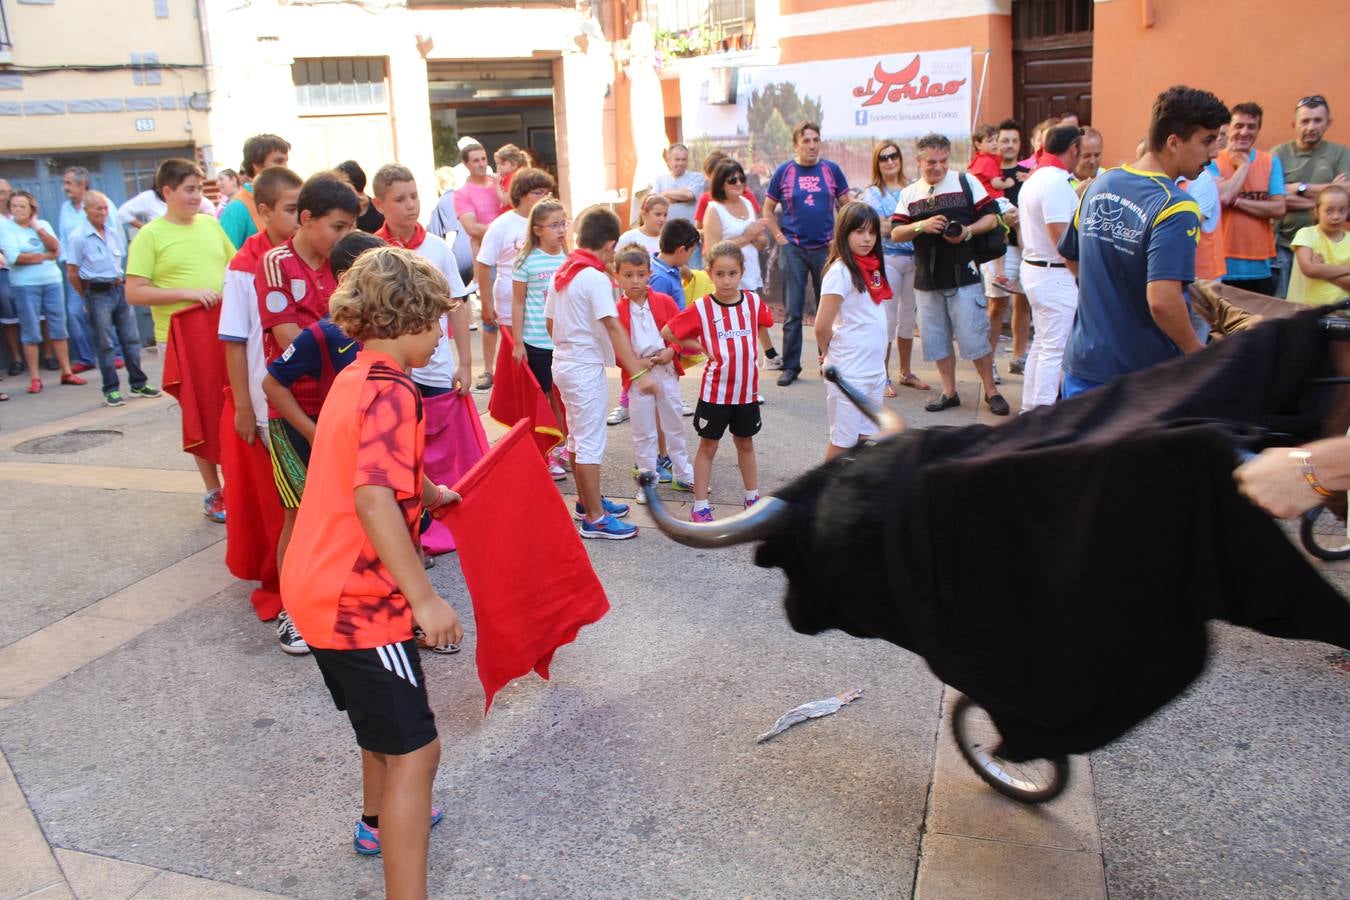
(384,695)
(541,364)
(712,419)
(290,460)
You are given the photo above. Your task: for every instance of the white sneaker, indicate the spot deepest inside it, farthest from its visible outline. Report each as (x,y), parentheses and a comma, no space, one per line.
(639,498)
(775,364)
(998,379)
(617,416)
(290,639)
(686,408)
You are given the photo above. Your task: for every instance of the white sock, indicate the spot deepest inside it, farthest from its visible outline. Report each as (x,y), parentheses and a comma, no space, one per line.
(701,505)
(752,495)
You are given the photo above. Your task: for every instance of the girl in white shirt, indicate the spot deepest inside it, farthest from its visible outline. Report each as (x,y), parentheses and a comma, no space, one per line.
(851,322)
(730,217)
(652,217)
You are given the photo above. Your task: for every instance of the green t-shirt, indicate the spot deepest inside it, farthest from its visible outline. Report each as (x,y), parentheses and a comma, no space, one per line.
(1316,166)
(1314,291)
(179,256)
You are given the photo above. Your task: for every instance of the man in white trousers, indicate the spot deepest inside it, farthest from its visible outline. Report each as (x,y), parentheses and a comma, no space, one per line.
(1047,204)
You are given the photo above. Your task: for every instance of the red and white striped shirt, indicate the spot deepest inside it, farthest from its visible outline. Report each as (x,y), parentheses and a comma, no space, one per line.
(729,334)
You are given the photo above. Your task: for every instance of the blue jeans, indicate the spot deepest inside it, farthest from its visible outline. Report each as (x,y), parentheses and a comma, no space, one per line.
(1282,268)
(1075,386)
(113,321)
(42,300)
(801,264)
(77,325)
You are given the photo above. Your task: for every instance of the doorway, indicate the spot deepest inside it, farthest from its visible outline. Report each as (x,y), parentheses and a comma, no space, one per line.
(497,102)
(1052,59)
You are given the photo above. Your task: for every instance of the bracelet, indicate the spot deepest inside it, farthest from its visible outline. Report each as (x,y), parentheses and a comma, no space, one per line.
(1305,463)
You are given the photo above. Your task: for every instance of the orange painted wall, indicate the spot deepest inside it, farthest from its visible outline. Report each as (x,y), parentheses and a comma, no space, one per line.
(1204,45)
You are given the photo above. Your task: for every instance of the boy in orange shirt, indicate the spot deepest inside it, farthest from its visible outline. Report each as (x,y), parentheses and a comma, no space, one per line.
(352,580)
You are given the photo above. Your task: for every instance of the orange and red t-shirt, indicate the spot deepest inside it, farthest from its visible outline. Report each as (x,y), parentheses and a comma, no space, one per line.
(338,592)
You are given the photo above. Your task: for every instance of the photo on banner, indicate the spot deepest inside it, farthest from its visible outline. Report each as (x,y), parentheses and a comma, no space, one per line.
(750,112)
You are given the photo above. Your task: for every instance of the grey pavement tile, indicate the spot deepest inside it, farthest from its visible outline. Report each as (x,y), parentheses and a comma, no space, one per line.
(58,891)
(173,886)
(634,771)
(168,592)
(32,663)
(960,868)
(26,865)
(47,531)
(101,877)
(1238,788)
(962,804)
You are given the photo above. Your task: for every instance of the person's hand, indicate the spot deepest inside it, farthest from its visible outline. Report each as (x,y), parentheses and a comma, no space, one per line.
(781,238)
(438,621)
(489,314)
(959,239)
(933,225)
(1340,179)
(206,298)
(663,356)
(244,425)
(646,385)
(518,352)
(1239,158)
(1022,176)
(1011,217)
(462,380)
(1274,481)
(444,497)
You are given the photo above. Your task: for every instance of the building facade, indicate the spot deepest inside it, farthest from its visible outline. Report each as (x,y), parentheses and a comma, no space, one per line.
(113,87)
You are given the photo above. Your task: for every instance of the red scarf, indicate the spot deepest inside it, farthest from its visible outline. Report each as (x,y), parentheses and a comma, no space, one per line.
(418,236)
(577,261)
(877,286)
(1050,159)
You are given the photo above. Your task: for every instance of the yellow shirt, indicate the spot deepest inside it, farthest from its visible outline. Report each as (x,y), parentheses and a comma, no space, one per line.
(180,256)
(700,284)
(1314,291)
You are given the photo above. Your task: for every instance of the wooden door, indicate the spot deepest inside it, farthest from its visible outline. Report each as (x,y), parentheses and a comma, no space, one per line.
(1052,59)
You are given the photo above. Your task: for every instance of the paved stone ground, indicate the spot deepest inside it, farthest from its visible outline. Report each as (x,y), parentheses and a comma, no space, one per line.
(157,744)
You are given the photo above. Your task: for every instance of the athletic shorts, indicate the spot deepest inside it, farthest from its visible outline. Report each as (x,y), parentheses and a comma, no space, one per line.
(711,420)
(847,422)
(585,395)
(541,364)
(960,314)
(290,461)
(383,693)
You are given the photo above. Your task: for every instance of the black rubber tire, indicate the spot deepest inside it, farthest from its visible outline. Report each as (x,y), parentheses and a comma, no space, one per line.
(985,762)
(1307,534)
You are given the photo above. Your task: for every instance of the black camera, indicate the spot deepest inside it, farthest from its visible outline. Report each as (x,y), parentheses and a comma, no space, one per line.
(952,230)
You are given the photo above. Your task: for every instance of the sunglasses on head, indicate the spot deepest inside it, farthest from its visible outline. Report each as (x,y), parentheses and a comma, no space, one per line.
(1313,100)
(735,179)
(889,157)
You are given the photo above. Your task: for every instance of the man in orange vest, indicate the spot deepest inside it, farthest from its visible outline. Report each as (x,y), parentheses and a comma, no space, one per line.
(1251,189)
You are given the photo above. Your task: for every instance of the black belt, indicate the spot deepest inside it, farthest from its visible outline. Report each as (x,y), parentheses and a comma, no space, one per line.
(101,287)
(1040,263)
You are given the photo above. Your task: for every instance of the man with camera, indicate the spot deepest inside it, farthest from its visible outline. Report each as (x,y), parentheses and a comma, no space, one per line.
(936,215)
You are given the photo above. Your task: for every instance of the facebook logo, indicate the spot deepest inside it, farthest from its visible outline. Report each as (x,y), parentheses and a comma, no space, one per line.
(860,117)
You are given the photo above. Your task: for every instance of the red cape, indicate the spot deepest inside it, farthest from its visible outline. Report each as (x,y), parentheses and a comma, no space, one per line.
(194,374)
(254,520)
(516,396)
(455,443)
(531,595)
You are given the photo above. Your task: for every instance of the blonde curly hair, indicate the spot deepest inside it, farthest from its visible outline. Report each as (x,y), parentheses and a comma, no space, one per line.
(389,292)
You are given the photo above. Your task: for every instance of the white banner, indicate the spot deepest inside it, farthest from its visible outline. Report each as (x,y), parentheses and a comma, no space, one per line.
(857,101)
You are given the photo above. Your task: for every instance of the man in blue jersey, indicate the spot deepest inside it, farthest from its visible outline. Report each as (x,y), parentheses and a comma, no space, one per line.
(1132,247)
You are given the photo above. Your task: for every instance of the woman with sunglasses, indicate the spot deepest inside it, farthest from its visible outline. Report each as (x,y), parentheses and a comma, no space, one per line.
(883,195)
(730,217)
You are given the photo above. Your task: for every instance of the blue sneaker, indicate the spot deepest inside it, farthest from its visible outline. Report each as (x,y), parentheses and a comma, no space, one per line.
(612,508)
(366,840)
(608,528)
(663,472)
(213,506)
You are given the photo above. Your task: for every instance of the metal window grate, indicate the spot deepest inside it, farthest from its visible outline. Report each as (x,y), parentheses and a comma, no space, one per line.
(354,84)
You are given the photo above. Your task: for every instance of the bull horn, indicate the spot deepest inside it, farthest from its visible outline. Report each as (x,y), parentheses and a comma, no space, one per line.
(888,423)
(766,518)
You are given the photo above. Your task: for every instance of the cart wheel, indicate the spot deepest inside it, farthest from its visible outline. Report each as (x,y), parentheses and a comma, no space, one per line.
(1033,781)
(1327,546)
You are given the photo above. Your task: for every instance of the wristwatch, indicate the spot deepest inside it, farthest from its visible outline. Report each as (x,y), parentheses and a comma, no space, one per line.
(1305,464)
(1302,188)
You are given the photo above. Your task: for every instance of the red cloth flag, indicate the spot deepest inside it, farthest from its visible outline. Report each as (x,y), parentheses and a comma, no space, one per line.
(455,443)
(254,521)
(532,590)
(516,395)
(194,375)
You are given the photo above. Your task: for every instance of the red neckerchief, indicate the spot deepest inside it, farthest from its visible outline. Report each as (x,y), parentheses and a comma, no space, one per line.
(877,285)
(1050,159)
(576,261)
(418,236)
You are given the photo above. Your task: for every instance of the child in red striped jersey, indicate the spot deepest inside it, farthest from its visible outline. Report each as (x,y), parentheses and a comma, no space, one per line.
(724,325)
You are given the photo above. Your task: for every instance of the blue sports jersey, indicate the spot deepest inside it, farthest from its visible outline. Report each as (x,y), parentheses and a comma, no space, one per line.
(304,357)
(806,196)
(1132,227)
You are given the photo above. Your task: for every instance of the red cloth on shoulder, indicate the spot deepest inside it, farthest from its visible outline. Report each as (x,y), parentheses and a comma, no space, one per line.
(255,518)
(527,602)
(194,375)
(516,396)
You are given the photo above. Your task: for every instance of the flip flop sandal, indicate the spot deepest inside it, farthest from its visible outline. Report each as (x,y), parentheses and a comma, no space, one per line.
(889,392)
(912,381)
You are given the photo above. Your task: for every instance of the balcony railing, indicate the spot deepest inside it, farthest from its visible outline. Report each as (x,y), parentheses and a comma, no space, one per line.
(693,27)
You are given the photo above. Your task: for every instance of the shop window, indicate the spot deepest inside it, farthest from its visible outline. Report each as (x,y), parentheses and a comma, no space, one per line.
(340,86)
